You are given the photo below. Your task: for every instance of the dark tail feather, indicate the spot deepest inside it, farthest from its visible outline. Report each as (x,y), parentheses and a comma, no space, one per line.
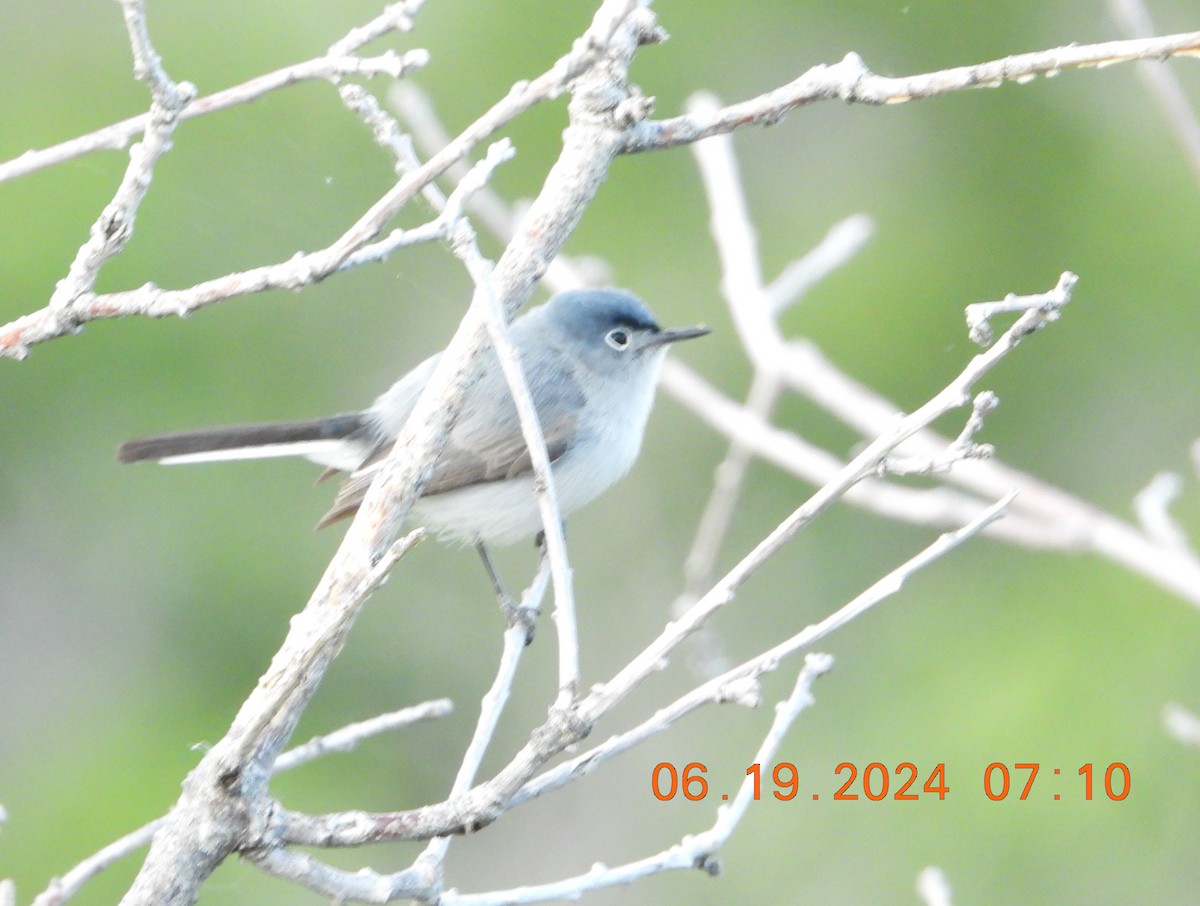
(235,437)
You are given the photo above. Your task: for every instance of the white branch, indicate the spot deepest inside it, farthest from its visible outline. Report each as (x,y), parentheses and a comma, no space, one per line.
(337,63)
(349,737)
(341,886)
(694,851)
(958,450)
(341,740)
(213,806)
(933,887)
(224,800)
(1152,506)
(1044,516)
(303,269)
(836,249)
(432,860)
(955,394)
(1183,724)
(547,499)
(728,480)
(740,684)
(979,314)
(850,80)
(113,229)
(1134,19)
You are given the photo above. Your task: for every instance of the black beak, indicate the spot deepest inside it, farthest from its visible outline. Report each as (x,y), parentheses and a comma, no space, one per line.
(674,336)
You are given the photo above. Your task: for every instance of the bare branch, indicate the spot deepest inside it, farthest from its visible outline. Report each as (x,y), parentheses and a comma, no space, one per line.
(431,862)
(552,521)
(850,80)
(959,450)
(835,250)
(113,229)
(1134,19)
(396,17)
(740,684)
(933,887)
(942,507)
(63,888)
(348,738)
(363,885)
(865,463)
(303,269)
(214,802)
(337,63)
(694,851)
(979,314)
(728,479)
(118,135)
(1182,723)
(416,109)
(1152,505)
(342,740)
(424,879)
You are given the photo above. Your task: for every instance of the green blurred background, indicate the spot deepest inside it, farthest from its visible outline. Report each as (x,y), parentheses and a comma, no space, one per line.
(139,605)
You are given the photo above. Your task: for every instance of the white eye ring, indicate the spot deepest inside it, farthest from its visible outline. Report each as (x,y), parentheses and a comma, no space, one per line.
(618,338)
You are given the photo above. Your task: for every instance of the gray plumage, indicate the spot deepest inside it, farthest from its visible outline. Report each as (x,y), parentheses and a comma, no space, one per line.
(591,360)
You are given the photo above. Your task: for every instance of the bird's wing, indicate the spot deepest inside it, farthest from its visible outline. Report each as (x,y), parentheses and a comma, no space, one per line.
(484,449)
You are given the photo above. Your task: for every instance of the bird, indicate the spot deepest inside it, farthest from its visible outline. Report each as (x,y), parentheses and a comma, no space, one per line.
(591,358)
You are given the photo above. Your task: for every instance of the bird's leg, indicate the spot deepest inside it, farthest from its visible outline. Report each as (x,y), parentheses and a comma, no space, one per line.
(539,540)
(513,612)
(502,596)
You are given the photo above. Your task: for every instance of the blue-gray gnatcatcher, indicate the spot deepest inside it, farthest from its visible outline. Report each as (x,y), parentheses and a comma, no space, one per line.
(591,358)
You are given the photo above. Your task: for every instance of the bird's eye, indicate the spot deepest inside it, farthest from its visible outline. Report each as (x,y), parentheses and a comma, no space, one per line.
(617,338)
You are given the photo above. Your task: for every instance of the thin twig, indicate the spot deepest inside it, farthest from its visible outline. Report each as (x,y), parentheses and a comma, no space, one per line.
(961,449)
(955,394)
(850,80)
(1183,724)
(395,17)
(362,886)
(1153,508)
(338,62)
(430,864)
(941,507)
(1134,20)
(933,887)
(222,790)
(114,227)
(466,249)
(728,479)
(423,880)
(695,850)
(836,249)
(740,684)
(416,109)
(341,740)
(349,737)
(119,135)
(303,269)
(1044,516)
